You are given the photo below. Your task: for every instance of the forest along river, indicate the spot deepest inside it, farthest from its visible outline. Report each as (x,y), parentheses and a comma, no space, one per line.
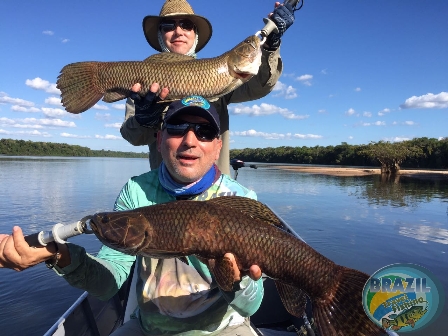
(358,222)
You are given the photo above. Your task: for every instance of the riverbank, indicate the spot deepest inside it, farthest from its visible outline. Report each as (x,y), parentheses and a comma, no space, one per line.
(341,171)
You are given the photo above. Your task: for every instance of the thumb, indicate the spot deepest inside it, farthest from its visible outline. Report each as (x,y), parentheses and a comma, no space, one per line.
(19,240)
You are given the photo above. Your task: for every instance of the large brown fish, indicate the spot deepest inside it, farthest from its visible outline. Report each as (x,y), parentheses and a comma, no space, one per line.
(83,84)
(248,229)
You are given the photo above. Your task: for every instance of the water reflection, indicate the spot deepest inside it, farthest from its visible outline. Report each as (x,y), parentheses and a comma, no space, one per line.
(425,233)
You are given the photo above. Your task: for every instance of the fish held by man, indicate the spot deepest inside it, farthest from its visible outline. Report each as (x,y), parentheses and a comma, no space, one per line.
(250,231)
(83,84)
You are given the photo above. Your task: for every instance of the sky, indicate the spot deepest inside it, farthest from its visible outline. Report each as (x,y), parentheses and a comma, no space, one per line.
(355,71)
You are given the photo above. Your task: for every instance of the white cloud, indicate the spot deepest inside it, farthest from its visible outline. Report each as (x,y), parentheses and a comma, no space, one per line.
(100,107)
(42,84)
(54,112)
(305,79)
(53,101)
(119,106)
(68,135)
(406,123)
(48,32)
(28,133)
(274,136)
(323,71)
(18,108)
(265,109)
(376,123)
(284,90)
(49,122)
(65,40)
(350,137)
(383,112)
(350,112)
(367,114)
(427,101)
(322,111)
(4,98)
(108,137)
(396,139)
(358,89)
(115,125)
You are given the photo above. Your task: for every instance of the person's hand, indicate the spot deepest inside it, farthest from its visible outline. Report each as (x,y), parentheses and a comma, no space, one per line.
(254,271)
(16,254)
(147,110)
(283,17)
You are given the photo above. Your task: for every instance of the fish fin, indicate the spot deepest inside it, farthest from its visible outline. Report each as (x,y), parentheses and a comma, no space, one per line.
(78,85)
(341,311)
(249,207)
(293,298)
(222,270)
(113,96)
(168,57)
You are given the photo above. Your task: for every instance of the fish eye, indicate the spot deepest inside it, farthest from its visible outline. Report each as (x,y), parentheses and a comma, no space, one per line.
(105,219)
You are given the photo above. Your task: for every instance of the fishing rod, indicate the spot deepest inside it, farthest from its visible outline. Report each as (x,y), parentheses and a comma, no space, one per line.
(59,233)
(270,26)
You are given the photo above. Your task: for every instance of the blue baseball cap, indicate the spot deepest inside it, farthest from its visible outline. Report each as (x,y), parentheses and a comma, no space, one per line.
(193,105)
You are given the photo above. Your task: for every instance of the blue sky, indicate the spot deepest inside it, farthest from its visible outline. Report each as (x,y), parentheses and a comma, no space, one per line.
(354,71)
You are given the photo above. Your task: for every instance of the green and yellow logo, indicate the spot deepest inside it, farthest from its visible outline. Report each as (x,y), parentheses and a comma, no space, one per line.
(404,297)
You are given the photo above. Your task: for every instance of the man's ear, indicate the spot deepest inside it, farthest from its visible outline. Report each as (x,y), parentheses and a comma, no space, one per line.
(218,148)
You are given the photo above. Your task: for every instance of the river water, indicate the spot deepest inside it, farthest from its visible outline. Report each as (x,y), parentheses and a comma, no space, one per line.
(358,222)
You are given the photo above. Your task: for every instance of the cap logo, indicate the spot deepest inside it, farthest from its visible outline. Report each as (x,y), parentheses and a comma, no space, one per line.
(196,101)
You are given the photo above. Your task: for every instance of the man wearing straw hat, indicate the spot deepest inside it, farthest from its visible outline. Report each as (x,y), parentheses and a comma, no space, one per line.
(178,29)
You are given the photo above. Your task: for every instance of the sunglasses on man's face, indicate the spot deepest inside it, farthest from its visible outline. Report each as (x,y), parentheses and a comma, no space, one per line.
(203,132)
(170,25)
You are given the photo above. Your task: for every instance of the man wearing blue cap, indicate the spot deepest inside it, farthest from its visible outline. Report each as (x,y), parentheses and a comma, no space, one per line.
(174,296)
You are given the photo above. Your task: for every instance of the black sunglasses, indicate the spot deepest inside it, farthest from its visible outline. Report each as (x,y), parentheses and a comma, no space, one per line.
(204,132)
(170,25)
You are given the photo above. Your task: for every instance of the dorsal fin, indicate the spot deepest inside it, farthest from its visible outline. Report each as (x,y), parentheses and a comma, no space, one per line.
(249,207)
(168,57)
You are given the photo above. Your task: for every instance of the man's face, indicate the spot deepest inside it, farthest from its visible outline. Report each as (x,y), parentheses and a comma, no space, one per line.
(187,158)
(179,40)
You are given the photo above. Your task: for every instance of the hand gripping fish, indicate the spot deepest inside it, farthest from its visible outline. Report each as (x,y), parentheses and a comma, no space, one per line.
(83,84)
(250,231)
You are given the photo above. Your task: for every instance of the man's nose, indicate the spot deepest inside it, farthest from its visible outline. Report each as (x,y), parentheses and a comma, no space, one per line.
(190,137)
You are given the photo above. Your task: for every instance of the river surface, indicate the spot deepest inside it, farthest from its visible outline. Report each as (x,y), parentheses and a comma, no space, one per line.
(359,222)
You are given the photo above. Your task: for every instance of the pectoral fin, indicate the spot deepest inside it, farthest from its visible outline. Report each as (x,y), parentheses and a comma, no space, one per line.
(293,298)
(222,270)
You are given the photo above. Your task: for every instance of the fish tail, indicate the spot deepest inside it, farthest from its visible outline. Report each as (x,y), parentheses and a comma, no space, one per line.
(79,86)
(341,312)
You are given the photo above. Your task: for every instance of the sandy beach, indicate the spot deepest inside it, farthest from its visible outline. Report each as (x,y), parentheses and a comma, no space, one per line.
(336,171)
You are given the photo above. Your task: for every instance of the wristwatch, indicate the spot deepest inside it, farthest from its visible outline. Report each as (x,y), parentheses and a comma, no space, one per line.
(53,261)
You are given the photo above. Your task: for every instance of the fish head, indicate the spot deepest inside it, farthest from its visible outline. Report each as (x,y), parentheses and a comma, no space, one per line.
(125,231)
(245,59)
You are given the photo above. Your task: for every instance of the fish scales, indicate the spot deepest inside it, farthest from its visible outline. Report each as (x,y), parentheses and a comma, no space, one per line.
(212,228)
(83,84)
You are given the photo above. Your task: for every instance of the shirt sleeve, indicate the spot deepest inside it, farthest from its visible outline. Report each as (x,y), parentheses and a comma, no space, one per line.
(132,131)
(103,275)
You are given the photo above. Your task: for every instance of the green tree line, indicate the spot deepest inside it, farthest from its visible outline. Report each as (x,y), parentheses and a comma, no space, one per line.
(421,153)
(28,148)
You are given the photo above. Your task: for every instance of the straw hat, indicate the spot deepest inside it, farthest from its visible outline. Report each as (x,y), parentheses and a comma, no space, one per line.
(173,8)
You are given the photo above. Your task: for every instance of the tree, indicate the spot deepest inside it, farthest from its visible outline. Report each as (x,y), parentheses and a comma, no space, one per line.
(391,155)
